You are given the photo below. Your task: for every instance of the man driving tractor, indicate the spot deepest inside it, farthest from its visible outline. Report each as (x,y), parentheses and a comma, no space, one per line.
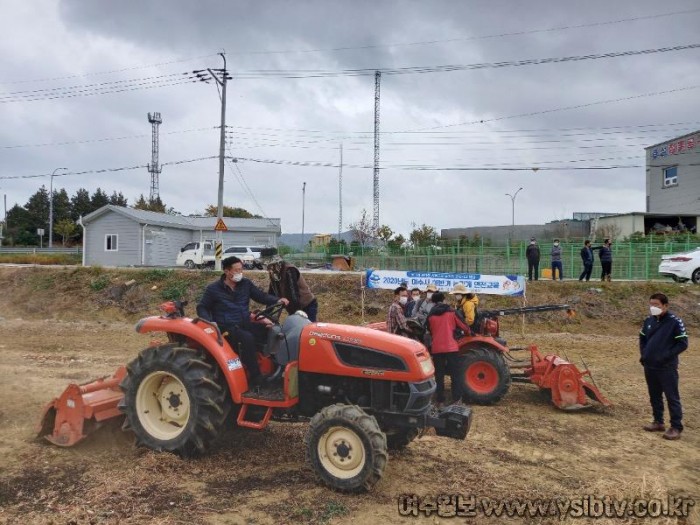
(226,302)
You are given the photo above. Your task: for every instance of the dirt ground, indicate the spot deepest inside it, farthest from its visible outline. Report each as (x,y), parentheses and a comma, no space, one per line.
(521,448)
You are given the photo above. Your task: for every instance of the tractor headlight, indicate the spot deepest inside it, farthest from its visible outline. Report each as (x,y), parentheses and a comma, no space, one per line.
(427,366)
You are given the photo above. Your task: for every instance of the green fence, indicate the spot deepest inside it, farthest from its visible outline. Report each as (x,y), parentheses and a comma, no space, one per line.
(631,260)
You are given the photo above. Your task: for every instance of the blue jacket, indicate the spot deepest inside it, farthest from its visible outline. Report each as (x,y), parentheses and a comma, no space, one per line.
(605,253)
(661,340)
(230,307)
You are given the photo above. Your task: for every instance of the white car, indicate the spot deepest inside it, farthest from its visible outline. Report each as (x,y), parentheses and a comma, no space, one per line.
(681,267)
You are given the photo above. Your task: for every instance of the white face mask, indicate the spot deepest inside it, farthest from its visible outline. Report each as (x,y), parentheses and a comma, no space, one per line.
(655,310)
(532,242)
(429,296)
(403,300)
(458,297)
(416,297)
(237,277)
(556,244)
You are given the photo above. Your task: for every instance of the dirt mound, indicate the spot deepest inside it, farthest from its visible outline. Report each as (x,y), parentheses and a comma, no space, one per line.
(129,294)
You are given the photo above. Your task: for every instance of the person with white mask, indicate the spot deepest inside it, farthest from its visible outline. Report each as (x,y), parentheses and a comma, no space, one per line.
(396,319)
(661,340)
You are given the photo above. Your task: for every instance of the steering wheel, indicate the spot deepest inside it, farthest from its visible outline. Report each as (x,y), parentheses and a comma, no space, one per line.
(272,313)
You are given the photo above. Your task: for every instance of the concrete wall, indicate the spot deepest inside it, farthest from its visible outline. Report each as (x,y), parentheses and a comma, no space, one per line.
(684,197)
(560,229)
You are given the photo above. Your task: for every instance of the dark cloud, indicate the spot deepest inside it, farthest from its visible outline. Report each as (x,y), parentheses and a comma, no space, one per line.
(268,115)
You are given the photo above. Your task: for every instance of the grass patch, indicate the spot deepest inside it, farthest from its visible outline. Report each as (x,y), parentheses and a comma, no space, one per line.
(43,259)
(157,274)
(175,291)
(99,283)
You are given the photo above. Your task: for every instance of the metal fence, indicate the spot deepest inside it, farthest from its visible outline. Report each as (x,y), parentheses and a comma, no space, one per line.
(40,251)
(631,260)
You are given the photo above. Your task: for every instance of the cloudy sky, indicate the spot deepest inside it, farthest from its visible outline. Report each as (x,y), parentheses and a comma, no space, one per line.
(77,79)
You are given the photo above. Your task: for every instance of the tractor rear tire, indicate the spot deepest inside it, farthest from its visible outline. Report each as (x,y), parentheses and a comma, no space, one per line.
(174,400)
(400,439)
(485,376)
(346,448)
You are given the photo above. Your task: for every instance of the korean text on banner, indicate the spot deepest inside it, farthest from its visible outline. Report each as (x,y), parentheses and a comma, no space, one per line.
(513,285)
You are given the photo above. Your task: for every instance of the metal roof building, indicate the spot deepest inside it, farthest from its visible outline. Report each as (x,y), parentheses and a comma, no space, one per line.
(118,236)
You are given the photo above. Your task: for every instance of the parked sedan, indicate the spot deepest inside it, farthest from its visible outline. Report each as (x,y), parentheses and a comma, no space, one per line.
(681,266)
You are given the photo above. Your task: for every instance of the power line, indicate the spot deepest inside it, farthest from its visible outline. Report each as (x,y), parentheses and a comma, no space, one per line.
(105,139)
(101,91)
(104,170)
(309,73)
(96,73)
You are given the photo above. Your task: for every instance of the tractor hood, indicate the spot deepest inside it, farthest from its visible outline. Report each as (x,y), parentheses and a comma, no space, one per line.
(345,349)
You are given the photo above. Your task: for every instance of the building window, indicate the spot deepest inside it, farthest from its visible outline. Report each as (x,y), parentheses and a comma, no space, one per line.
(671,176)
(111,244)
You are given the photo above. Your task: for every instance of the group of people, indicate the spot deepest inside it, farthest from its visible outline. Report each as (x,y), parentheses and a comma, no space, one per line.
(441,322)
(533,255)
(227,302)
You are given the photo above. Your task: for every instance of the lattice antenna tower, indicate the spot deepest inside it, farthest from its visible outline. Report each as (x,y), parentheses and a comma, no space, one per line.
(377,82)
(153,167)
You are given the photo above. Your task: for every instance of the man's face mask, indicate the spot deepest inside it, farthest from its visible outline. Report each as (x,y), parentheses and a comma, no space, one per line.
(458,296)
(415,297)
(403,300)
(655,310)
(429,296)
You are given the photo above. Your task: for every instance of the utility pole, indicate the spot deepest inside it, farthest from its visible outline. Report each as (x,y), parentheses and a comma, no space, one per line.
(377,82)
(153,167)
(221,82)
(51,207)
(303,209)
(340,194)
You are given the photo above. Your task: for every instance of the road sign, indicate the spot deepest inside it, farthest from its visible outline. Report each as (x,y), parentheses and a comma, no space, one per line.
(40,231)
(220,226)
(219,250)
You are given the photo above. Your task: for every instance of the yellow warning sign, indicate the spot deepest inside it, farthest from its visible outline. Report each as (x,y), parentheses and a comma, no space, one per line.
(220,226)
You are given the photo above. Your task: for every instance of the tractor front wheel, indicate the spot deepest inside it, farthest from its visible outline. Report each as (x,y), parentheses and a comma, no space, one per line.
(174,400)
(346,448)
(485,376)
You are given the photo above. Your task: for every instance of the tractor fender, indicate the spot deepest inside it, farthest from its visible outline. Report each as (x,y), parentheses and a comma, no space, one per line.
(205,336)
(479,341)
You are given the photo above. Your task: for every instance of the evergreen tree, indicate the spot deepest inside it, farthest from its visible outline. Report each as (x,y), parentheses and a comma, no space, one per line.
(98,199)
(118,199)
(80,204)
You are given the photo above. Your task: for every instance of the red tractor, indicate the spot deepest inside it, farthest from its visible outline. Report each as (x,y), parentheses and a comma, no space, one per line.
(487,365)
(363,391)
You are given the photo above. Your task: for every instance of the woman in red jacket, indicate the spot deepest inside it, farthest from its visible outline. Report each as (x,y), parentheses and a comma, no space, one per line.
(442,322)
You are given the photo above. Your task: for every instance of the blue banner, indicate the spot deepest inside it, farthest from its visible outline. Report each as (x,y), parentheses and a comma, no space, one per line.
(513,285)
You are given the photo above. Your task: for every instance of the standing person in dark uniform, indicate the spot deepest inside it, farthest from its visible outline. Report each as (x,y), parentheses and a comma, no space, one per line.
(661,340)
(556,261)
(226,302)
(286,281)
(587,258)
(532,254)
(606,259)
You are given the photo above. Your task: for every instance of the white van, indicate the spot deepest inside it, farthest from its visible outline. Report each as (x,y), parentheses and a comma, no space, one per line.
(196,255)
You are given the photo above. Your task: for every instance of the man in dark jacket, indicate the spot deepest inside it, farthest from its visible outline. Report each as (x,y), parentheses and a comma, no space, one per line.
(226,302)
(661,340)
(605,259)
(532,254)
(587,258)
(286,281)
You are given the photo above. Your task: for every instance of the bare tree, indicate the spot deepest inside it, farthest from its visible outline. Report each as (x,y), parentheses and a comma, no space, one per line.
(608,231)
(363,231)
